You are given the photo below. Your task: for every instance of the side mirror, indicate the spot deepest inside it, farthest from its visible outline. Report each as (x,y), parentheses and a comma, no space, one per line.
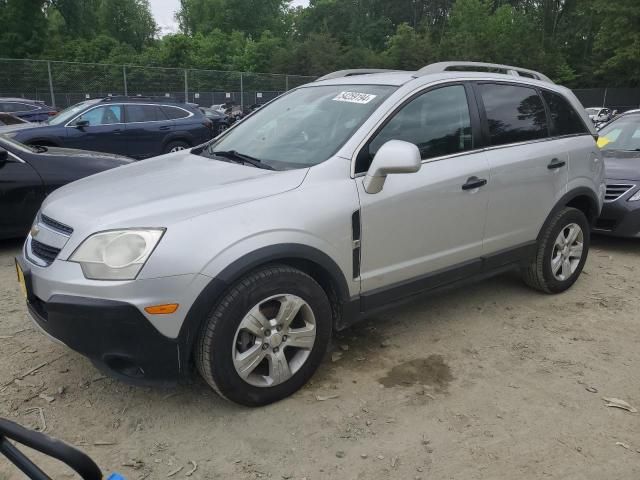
(395,156)
(82,123)
(4,156)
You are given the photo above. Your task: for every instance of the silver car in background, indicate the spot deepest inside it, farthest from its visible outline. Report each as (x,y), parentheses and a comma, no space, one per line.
(338,199)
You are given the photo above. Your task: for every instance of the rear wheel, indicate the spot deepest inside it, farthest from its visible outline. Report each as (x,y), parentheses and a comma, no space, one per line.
(221,128)
(561,253)
(176,146)
(266,336)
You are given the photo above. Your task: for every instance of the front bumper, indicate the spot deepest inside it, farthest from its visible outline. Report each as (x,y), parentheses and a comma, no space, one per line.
(115,335)
(620,218)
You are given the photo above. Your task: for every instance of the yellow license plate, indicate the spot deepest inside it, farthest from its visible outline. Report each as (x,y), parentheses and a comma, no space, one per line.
(23,285)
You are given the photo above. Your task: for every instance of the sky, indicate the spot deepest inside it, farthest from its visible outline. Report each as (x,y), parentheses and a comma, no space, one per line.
(164,13)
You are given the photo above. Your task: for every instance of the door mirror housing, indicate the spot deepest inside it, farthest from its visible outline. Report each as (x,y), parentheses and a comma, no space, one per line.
(395,156)
(81,124)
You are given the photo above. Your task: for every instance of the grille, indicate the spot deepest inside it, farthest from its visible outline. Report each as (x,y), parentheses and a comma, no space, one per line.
(55,225)
(44,252)
(616,190)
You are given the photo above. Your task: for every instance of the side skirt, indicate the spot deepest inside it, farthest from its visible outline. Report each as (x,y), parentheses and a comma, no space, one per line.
(436,282)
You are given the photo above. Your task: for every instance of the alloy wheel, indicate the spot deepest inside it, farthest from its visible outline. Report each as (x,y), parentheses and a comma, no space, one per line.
(567,252)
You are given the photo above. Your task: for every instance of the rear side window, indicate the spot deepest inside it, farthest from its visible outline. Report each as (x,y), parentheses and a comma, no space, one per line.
(564,119)
(17,107)
(514,113)
(174,113)
(143,113)
(438,122)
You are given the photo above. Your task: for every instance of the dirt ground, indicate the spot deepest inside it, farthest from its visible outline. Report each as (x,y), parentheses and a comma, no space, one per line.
(493,381)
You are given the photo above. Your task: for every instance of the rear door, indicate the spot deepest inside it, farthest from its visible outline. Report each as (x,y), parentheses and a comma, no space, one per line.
(104,132)
(146,129)
(528,167)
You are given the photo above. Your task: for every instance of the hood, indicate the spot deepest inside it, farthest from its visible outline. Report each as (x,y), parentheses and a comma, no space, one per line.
(163,190)
(86,154)
(622,165)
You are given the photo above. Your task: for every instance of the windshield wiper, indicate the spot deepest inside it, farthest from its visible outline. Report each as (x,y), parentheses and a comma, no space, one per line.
(242,158)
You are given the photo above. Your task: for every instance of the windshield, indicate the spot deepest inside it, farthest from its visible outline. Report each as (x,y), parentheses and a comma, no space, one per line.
(621,134)
(68,113)
(304,127)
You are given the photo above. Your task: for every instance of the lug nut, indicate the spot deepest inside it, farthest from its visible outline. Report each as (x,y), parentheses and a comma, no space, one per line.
(275,349)
(267,332)
(284,338)
(278,328)
(265,346)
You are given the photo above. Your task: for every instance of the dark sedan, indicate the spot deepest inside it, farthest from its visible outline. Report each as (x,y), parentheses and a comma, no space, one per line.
(29,110)
(620,144)
(138,127)
(29,174)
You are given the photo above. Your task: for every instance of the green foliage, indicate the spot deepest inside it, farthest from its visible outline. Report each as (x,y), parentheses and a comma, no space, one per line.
(577,42)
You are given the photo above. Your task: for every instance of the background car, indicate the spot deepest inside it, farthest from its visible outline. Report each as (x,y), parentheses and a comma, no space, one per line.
(220,120)
(620,144)
(8,119)
(30,110)
(29,174)
(599,114)
(138,127)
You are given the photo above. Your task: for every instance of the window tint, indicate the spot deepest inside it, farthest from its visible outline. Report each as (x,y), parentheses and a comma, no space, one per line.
(17,107)
(515,114)
(106,115)
(173,112)
(144,113)
(564,119)
(437,122)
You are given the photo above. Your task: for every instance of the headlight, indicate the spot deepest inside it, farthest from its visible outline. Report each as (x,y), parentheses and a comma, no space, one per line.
(116,254)
(635,197)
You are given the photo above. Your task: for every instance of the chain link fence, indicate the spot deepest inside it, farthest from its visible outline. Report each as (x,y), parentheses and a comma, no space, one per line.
(620,99)
(61,84)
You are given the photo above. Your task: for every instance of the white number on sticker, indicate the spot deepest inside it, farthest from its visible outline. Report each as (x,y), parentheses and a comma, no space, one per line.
(354,97)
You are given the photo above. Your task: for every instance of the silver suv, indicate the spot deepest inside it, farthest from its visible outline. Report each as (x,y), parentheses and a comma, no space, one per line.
(338,199)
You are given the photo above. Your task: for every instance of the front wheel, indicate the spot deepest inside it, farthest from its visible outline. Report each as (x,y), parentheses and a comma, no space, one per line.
(561,253)
(176,146)
(266,336)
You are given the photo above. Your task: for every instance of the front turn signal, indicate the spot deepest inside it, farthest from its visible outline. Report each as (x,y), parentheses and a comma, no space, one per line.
(162,309)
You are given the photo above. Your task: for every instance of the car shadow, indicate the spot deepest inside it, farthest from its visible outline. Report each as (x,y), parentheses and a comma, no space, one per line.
(615,244)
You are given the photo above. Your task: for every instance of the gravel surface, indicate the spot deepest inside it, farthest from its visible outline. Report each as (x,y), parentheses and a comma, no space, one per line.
(490,381)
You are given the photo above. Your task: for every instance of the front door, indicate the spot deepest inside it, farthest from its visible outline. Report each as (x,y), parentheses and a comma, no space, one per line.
(104,131)
(425,229)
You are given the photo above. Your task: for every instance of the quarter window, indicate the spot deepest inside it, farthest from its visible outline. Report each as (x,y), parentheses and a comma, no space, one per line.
(514,113)
(437,122)
(173,113)
(564,119)
(144,113)
(106,115)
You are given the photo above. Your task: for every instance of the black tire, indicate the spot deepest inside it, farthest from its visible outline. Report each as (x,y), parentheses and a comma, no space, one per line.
(538,273)
(176,145)
(221,127)
(215,345)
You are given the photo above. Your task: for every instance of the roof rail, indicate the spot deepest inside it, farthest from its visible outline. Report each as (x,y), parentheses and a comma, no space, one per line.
(133,98)
(481,66)
(353,72)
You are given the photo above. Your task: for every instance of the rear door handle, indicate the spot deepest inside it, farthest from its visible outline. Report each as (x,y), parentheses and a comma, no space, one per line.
(556,163)
(474,182)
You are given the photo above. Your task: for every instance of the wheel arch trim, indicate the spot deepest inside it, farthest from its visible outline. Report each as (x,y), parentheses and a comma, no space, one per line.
(568,198)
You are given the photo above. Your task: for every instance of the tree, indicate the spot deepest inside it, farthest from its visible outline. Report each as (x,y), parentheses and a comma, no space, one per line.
(24,26)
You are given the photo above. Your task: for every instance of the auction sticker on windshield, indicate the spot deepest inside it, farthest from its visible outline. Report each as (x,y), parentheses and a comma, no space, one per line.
(354,97)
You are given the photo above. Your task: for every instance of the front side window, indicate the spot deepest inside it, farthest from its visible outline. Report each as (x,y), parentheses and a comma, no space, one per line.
(18,107)
(304,127)
(514,113)
(564,119)
(437,122)
(68,113)
(106,115)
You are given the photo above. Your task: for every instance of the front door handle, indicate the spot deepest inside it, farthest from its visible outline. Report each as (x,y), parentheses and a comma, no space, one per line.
(474,182)
(556,163)
(165,127)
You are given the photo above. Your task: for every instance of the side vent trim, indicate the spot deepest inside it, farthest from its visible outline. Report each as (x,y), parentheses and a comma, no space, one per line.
(355,236)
